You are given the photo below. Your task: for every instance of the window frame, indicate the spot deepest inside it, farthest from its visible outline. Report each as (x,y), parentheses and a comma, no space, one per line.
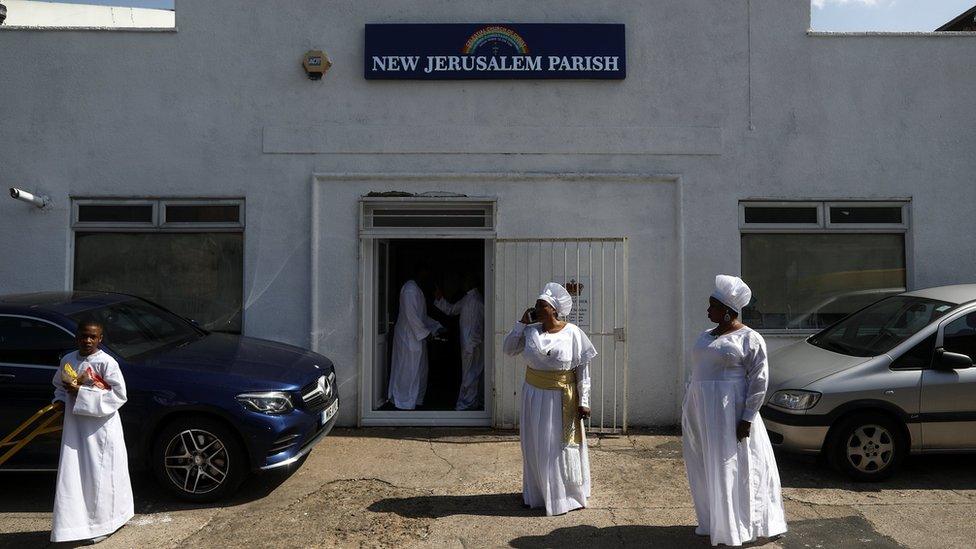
(767,227)
(76,205)
(158,223)
(367,205)
(825,227)
(866,226)
(906,346)
(42,321)
(223,226)
(964,310)
(159,226)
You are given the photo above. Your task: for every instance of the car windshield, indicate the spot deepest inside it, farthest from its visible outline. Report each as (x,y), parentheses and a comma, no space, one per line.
(878,328)
(136,329)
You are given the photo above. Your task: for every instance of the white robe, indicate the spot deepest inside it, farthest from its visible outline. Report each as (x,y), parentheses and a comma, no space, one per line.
(545,475)
(735,486)
(471,309)
(408,371)
(94,496)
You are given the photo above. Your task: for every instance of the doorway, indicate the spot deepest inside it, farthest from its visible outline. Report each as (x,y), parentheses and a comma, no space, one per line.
(451,269)
(452,236)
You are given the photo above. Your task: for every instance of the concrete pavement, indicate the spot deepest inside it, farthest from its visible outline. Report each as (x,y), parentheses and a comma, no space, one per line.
(461,488)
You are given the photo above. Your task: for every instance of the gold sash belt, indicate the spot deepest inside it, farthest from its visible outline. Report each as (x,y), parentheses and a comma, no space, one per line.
(565,381)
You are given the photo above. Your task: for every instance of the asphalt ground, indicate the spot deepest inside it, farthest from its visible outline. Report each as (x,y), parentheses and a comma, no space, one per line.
(461,488)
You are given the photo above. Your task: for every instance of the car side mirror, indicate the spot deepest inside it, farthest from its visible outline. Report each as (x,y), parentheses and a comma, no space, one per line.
(944,360)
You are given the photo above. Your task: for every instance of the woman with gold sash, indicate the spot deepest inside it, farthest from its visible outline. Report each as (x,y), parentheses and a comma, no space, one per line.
(555,398)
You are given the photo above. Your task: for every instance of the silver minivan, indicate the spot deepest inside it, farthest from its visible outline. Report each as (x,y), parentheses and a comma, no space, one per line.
(894,378)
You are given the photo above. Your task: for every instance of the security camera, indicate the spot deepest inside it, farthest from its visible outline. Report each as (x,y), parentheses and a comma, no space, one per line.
(3,13)
(24,196)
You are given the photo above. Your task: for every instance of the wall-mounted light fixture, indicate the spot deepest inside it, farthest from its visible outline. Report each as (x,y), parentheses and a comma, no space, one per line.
(30,198)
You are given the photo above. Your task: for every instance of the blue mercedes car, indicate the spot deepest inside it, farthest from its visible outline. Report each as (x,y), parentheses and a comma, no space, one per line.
(204,409)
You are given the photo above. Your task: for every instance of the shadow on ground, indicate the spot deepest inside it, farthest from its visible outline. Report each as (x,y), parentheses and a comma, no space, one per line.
(488,505)
(34,493)
(934,472)
(26,540)
(851,531)
(614,536)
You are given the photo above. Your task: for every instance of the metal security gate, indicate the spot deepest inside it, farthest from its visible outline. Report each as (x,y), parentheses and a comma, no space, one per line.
(594,270)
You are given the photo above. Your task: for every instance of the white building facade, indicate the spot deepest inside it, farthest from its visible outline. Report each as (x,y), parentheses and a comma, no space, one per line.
(827,169)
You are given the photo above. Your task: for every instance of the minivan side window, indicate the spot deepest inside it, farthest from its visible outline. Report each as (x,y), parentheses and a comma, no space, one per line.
(959,336)
(28,341)
(918,357)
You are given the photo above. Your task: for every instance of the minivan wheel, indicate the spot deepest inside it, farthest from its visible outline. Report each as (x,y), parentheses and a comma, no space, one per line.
(198,459)
(867,447)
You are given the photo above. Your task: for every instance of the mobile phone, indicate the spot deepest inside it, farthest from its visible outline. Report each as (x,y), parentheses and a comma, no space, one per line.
(532,315)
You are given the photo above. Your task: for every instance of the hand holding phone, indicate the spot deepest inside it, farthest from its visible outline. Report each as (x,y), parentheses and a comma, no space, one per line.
(528,317)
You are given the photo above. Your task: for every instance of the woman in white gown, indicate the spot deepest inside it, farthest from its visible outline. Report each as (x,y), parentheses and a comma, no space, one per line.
(730,463)
(555,398)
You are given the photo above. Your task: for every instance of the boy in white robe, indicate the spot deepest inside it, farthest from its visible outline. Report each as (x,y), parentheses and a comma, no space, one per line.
(471,309)
(408,371)
(94,496)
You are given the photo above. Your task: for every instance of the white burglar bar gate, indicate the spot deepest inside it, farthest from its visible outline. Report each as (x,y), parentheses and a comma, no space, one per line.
(595,270)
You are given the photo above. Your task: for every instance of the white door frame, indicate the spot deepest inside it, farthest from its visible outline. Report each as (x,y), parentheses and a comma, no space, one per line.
(368,237)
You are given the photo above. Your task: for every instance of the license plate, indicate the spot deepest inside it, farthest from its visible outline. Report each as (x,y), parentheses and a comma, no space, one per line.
(329,412)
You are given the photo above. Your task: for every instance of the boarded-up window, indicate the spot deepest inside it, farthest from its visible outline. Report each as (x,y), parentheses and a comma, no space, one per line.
(196,275)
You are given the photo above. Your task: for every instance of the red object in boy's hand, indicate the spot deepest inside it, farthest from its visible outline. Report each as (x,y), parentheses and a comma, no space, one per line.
(96,380)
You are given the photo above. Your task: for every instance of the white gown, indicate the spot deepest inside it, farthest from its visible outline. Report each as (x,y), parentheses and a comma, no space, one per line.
(545,480)
(94,496)
(408,371)
(471,309)
(735,486)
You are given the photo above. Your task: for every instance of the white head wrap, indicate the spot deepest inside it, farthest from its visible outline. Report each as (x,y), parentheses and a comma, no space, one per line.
(732,292)
(557,296)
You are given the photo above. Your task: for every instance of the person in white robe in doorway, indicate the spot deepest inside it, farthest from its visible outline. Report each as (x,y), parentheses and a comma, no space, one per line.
(93,497)
(731,469)
(555,400)
(471,309)
(409,369)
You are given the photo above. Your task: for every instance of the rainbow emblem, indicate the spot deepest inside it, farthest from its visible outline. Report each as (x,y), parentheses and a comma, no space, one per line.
(495,34)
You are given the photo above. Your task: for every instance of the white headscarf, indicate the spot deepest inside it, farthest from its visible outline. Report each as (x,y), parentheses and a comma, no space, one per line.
(557,296)
(732,292)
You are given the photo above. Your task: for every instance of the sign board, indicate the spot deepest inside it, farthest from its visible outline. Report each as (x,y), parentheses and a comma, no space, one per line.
(579,287)
(399,51)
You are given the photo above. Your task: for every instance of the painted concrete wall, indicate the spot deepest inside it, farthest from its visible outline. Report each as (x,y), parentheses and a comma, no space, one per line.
(735,97)
(644,210)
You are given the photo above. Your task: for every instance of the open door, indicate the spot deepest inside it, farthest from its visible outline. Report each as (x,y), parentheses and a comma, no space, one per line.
(384,325)
(449,235)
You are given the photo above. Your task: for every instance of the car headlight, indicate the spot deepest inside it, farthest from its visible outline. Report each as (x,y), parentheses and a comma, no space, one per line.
(271,402)
(795,399)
